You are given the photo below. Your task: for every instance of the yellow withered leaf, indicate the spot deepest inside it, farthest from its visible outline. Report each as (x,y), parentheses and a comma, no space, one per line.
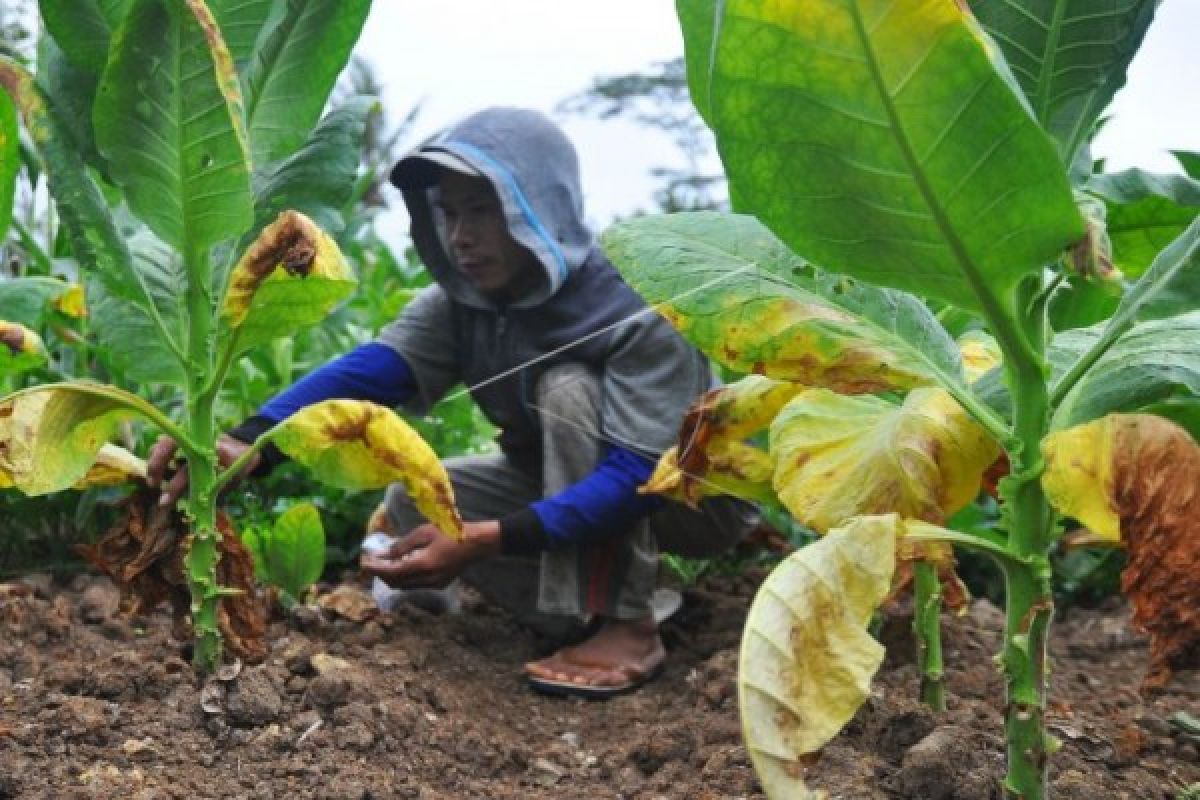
(291,277)
(50,436)
(806,659)
(731,468)
(1132,478)
(1079,480)
(72,302)
(114,466)
(712,457)
(980,354)
(838,457)
(359,445)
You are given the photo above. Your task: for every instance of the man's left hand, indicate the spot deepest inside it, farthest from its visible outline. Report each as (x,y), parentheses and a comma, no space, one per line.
(426,557)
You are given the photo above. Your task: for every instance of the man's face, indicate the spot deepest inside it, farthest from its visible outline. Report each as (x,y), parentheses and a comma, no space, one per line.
(480,243)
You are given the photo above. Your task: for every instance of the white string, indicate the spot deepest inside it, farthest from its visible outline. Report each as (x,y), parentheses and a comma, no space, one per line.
(559,350)
(594,433)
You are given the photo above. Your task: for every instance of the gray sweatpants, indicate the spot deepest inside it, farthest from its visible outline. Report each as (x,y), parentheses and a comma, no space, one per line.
(612,578)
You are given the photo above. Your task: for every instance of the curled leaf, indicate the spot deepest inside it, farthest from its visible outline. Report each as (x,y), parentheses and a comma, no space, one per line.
(360,445)
(20,348)
(114,466)
(806,660)
(711,458)
(729,468)
(291,277)
(838,457)
(1091,257)
(1132,478)
(50,436)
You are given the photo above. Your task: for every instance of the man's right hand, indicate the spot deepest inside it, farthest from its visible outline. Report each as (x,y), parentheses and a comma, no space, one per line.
(160,466)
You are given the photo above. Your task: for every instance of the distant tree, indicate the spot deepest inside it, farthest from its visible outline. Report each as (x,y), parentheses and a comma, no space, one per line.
(658,98)
(383,140)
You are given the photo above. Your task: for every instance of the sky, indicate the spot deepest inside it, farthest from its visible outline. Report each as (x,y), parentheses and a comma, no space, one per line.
(456,56)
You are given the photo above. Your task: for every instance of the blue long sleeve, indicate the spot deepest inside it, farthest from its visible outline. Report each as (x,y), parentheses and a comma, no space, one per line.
(604,503)
(373,372)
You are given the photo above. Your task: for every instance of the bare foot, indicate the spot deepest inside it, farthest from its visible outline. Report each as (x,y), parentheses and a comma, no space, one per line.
(621,652)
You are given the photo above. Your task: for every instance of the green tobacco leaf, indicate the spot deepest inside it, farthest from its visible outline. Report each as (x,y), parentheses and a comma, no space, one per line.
(168,120)
(241,22)
(74,91)
(318,179)
(50,435)
(923,459)
(27,300)
(290,278)
(1146,212)
(129,338)
(1170,286)
(699,19)
(1081,303)
(293,70)
(97,245)
(738,293)
(295,550)
(1150,363)
(10,161)
(806,660)
(1183,410)
(1070,56)
(878,139)
(83,28)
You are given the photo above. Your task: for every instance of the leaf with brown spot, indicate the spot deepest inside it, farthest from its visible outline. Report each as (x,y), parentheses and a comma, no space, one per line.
(50,435)
(711,457)
(739,294)
(291,277)
(838,457)
(806,659)
(354,444)
(1135,479)
(20,349)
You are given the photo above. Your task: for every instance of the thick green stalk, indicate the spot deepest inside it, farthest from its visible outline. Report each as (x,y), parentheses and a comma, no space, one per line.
(1030,603)
(203,550)
(927,627)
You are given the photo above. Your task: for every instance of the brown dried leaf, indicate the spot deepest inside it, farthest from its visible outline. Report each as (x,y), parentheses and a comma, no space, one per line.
(1156,470)
(143,553)
(351,602)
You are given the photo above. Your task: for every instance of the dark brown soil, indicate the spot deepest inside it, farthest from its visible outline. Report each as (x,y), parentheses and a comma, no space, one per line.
(411,706)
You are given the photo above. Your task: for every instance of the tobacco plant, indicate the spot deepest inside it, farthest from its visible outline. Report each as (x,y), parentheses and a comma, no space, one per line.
(888,158)
(187,159)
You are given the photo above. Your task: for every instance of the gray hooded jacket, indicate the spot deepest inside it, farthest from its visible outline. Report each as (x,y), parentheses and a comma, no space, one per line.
(581,312)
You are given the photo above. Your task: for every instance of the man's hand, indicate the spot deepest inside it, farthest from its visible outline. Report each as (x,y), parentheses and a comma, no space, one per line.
(428,558)
(159,467)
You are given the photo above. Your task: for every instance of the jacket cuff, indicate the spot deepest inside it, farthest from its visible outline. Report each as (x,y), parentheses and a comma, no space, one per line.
(522,534)
(270,456)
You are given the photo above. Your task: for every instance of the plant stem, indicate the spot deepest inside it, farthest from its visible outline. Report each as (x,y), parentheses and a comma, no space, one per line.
(928,630)
(1030,603)
(203,550)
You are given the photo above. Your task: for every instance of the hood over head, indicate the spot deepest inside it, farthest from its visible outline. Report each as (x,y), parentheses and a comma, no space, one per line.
(535,171)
